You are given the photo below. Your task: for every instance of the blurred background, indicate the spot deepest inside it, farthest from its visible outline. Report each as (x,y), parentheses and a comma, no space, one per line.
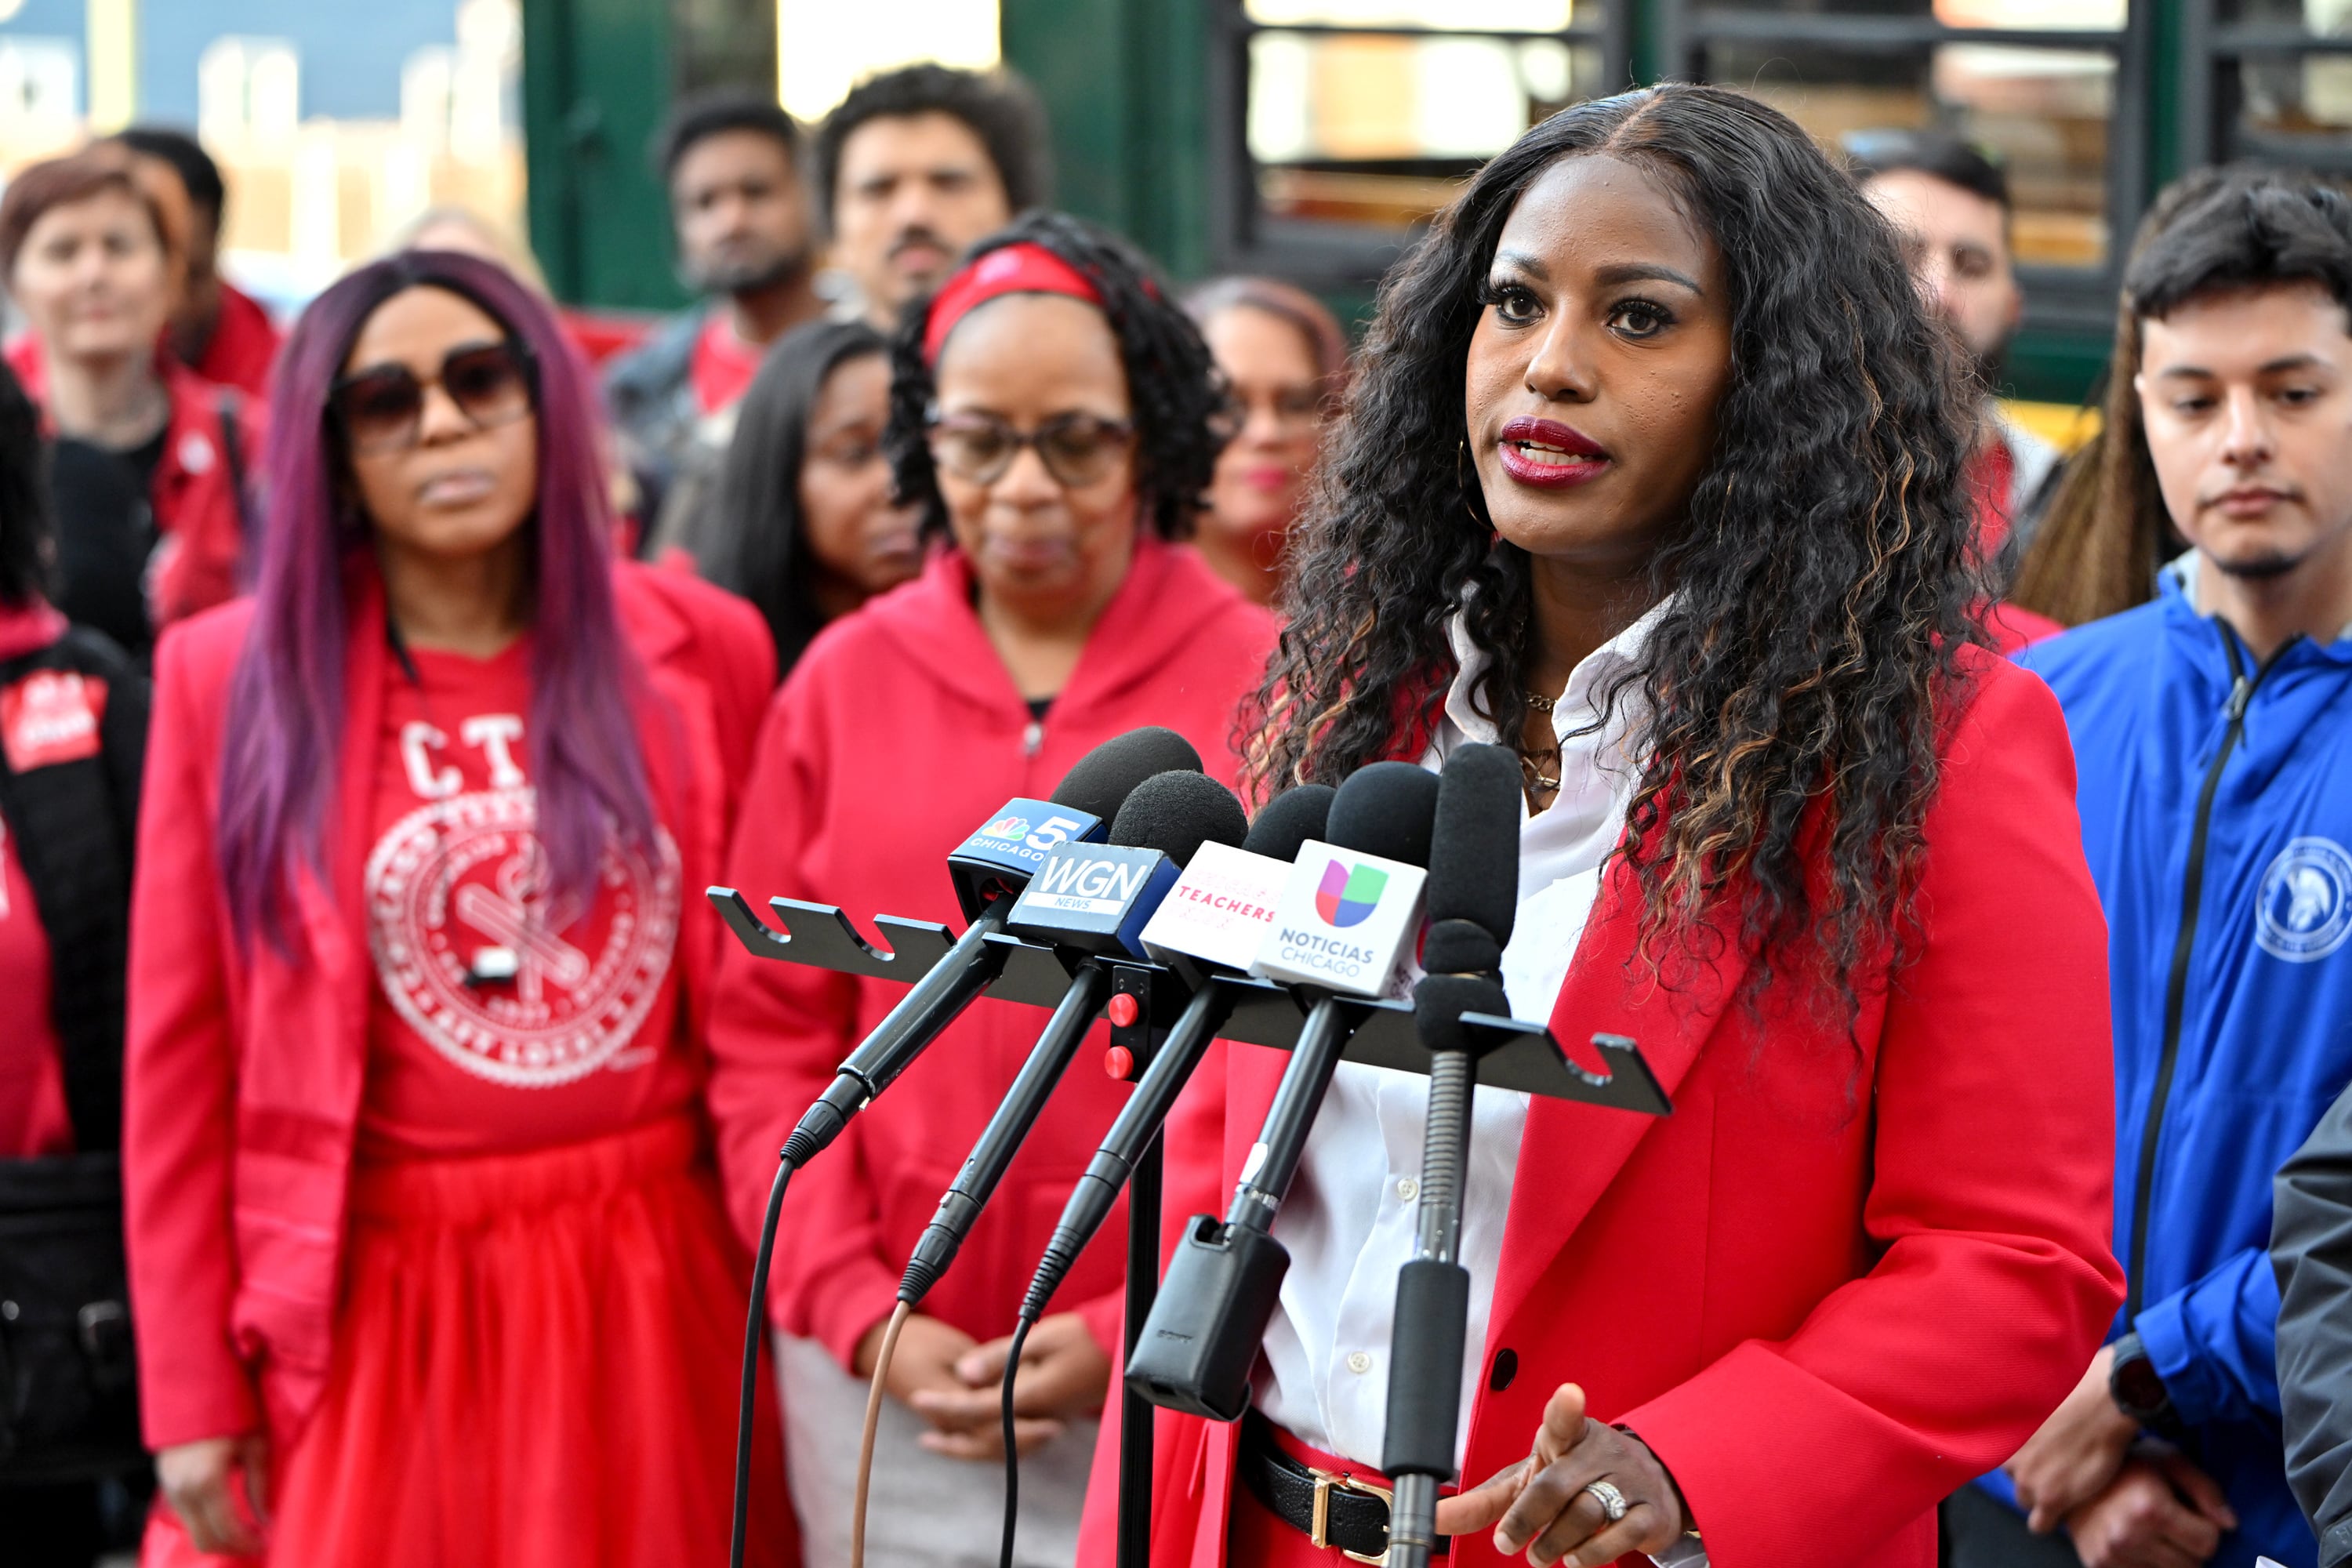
(1303,138)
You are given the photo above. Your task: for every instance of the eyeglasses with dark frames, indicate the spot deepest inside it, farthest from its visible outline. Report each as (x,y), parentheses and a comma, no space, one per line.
(1077,449)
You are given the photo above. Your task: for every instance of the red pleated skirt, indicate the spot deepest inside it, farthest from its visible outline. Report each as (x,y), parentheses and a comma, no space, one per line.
(535,1366)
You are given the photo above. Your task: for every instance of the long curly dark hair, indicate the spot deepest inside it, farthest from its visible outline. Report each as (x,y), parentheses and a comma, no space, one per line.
(1823,581)
(1173,388)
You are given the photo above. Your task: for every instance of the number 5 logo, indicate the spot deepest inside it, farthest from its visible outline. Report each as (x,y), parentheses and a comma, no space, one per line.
(1052,831)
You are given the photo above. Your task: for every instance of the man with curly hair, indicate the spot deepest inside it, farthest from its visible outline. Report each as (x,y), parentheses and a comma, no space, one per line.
(916,164)
(2212,731)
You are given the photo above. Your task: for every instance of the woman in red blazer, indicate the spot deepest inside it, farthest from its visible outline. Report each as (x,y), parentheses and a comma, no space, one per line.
(1654,473)
(1052,412)
(425,1241)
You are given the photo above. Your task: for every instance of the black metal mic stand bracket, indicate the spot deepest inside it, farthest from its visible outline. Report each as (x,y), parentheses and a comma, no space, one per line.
(1504,1053)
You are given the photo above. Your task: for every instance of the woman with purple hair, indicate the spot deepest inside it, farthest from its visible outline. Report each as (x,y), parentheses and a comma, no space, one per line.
(427,1243)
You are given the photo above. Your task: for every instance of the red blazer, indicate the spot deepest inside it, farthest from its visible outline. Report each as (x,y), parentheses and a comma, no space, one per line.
(897,735)
(244,1068)
(1830,1287)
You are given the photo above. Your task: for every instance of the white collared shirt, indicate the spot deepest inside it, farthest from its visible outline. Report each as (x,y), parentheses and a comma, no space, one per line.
(1348,1219)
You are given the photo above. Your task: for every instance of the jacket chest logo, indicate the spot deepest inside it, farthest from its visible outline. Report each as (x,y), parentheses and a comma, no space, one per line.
(2303,912)
(474,959)
(51,716)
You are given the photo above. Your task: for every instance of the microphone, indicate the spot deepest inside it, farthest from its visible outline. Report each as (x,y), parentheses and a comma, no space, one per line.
(1211,922)
(989,868)
(1345,916)
(1163,821)
(1471,896)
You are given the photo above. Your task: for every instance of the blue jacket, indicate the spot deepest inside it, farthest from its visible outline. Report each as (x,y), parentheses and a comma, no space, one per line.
(2216,801)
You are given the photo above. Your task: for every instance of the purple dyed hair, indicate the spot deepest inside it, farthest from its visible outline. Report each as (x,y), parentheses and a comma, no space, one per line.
(285,719)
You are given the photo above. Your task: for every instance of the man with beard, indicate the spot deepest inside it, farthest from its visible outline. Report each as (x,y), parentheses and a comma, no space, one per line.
(1951,202)
(916,164)
(730,162)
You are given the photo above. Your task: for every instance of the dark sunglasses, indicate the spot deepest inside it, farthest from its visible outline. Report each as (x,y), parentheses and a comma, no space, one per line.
(381,409)
(1076,448)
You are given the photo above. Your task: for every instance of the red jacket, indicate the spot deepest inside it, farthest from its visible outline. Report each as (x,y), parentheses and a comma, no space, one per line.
(243,348)
(1829,1289)
(195,492)
(898,734)
(244,1068)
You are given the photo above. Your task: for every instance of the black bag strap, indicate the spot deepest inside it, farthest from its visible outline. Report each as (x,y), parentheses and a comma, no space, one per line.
(232,450)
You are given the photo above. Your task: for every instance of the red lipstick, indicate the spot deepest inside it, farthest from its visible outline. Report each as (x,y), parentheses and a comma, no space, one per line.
(1548,455)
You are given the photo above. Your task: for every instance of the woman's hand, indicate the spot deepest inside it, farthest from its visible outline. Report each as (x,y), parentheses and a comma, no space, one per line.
(1062,1374)
(2075,1454)
(202,1480)
(1541,1504)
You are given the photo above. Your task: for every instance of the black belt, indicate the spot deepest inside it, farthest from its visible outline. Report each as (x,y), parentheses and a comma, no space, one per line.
(1329,1508)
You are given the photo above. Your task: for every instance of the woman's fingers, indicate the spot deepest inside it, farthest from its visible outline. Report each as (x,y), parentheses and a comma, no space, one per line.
(1028,1436)
(256,1464)
(1483,1504)
(1637,1532)
(958,1409)
(983,1364)
(1563,1423)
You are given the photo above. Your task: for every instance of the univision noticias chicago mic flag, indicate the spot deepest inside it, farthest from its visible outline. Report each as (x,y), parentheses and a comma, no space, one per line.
(1345,922)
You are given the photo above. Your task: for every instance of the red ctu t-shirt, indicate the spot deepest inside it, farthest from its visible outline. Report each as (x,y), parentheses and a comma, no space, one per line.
(723,364)
(499,1022)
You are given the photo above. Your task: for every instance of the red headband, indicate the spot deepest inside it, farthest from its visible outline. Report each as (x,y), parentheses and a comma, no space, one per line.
(1025,268)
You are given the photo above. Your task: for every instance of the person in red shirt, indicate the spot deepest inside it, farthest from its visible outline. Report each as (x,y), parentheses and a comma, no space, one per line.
(1651,475)
(419,968)
(149,471)
(73,732)
(730,162)
(217,331)
(1054,419)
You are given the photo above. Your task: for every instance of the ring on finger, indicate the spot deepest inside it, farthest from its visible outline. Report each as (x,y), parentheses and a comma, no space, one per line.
(1612,1502)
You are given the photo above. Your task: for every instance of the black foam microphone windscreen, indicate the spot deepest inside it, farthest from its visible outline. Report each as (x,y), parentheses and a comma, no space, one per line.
(1385,809)
(1175,812)
(1474,849)
(1287,821)
(1100,783)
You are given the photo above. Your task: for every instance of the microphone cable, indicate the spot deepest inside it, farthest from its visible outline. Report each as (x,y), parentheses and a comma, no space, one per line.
(898,1315)
(754,1328)
(1012,1453)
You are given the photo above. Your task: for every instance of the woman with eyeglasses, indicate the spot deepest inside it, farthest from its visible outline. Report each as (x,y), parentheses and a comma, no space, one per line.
(1284,359)
(1054,415)
(427,1248)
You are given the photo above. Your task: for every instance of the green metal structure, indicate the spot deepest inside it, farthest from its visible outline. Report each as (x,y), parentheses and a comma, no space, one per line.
(1134,93)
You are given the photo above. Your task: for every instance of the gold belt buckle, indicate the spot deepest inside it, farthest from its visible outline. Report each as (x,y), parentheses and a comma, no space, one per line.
(1318,1531)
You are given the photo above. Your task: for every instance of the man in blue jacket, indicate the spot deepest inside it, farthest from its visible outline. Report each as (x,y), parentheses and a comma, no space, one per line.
(2212,731)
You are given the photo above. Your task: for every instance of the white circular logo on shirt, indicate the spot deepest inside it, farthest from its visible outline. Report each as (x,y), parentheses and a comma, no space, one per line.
(2305,910)
(457,889)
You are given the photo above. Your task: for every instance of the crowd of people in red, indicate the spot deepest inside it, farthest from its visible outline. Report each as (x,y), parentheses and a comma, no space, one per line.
(378,703)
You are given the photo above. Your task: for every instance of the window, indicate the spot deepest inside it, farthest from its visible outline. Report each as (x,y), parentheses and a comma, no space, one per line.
(1342,125)
(2048,87)
(2279,80)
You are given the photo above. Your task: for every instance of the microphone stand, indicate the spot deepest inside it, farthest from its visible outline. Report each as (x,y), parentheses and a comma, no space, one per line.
(1135,1412)
(1432,1295)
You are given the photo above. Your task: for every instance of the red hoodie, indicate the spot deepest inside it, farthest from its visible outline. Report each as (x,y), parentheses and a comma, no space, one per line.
(898,734)
(244,1068)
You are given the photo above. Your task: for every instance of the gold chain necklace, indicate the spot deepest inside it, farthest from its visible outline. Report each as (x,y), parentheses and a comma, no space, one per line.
(1540,782)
